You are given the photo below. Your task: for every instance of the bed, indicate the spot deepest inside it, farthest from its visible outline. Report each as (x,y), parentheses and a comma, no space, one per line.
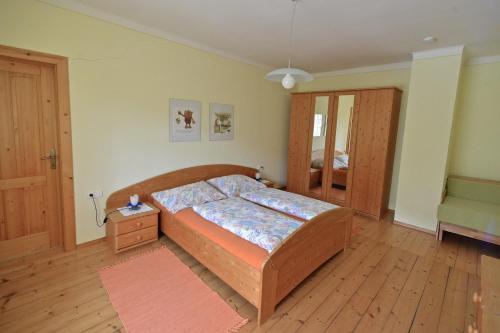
(339,170)
(263,278)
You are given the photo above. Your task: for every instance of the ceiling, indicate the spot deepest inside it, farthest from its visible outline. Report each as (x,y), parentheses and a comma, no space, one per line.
(329,34)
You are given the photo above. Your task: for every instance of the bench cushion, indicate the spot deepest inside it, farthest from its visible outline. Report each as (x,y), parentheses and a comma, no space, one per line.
(477,215)
(472,189)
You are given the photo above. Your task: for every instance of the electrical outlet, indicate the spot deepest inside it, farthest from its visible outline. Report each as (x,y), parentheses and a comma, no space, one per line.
(95,194)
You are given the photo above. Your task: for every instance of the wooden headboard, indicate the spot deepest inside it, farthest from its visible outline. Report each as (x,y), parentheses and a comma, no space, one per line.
(173,179)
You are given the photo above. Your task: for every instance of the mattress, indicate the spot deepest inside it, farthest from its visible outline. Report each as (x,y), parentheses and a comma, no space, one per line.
(290,203)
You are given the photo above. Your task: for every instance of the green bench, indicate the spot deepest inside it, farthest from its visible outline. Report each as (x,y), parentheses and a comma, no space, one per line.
(471,208)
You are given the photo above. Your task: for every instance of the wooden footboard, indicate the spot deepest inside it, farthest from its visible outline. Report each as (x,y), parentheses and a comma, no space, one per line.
(287,266)
(235,272)
(300,254)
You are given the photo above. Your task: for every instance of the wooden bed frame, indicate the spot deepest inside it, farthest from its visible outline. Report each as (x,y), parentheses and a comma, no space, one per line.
(286,267)
(339,177)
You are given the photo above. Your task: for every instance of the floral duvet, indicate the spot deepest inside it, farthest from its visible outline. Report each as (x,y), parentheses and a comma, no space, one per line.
(290,203)
(258,225)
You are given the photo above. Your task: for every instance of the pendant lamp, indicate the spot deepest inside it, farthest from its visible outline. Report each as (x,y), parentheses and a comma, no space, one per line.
(289,76)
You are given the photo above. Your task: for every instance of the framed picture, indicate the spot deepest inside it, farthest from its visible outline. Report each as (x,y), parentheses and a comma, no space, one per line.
(221,122)
(184,120)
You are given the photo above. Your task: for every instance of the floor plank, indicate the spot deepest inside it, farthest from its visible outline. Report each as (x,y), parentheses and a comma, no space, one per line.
(297,316)
(375,317)
(454,305)
(429,309)
(390,279)
(403,312)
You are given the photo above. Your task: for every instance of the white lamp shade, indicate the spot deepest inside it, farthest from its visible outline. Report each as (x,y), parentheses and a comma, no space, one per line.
(298,75)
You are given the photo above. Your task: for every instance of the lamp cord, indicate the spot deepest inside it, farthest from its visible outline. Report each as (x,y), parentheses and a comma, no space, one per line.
(290,40)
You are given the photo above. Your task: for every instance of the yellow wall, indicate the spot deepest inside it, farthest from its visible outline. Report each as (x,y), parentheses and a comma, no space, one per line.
(121,81)
(393,78)
(120,84)
(476,139)
(428,127)
(346,103)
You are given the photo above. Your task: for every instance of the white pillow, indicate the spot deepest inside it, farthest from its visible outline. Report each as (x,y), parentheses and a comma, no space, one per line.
(186,196)
(233,185)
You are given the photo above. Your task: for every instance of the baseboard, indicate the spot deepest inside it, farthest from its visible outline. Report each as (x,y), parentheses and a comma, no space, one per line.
(90,243)
(406,225)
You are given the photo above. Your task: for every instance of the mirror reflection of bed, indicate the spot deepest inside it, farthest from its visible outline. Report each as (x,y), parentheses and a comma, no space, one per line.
(340,165)
(339,174)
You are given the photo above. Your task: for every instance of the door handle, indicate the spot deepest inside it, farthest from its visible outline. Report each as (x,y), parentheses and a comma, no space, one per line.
(52,158)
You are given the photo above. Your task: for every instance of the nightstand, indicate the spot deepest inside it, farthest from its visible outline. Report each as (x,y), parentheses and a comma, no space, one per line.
(270,183)
(127,232)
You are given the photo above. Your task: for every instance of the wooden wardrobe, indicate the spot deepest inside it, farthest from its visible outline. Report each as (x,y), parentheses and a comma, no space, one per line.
(341,147)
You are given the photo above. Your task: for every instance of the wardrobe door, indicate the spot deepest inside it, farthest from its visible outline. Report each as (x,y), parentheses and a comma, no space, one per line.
(321,124)
(298,143)
(374,151)
(341,148)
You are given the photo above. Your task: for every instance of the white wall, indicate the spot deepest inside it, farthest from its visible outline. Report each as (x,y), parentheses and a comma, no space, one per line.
(429,120)
(344,110)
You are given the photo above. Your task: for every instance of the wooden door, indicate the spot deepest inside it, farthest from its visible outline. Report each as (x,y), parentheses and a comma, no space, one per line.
(30,218)
(298,143)
(373,147)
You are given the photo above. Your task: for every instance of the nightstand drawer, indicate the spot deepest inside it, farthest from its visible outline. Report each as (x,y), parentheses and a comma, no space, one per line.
(136,237)
(136,224)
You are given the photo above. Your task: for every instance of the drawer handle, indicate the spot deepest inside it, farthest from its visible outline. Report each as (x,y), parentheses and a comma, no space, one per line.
(476,298)
(139,237)
(139,224)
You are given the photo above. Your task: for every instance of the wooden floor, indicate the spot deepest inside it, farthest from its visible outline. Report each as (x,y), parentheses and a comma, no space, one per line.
(392,279)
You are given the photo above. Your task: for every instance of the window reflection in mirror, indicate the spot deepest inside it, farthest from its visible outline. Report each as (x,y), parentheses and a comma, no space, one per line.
(318,144)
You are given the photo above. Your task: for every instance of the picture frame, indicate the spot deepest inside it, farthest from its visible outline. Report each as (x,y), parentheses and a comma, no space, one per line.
(221,118)
(184,120)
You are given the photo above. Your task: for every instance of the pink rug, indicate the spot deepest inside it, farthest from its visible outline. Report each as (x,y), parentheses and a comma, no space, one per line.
(156,292)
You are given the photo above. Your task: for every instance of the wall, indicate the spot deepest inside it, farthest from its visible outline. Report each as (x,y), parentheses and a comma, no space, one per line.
(429,122)
(120,84)
(346,103)
(475,147)
(391,78)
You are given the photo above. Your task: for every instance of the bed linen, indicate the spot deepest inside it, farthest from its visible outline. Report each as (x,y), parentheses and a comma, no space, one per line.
(233,185)
(237,246)
(340,160)
(261,226)
(290,203)
(187,196)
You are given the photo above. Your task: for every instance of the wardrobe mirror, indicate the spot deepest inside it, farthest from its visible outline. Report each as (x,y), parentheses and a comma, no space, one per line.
(320,122)
(345,105)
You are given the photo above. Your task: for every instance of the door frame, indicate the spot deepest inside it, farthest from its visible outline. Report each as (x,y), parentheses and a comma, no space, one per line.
(60,65)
